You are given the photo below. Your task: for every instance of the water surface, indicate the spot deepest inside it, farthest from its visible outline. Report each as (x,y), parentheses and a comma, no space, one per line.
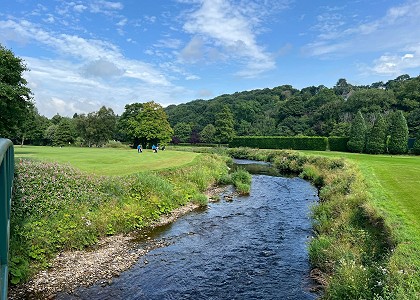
(254,247)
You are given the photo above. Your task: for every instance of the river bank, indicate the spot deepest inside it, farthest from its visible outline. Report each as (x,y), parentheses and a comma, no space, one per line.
(106,260)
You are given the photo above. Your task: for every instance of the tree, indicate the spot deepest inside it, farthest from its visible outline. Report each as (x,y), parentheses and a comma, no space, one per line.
(182,131)
(357,137)
(207,134)
(416,146)
(97,127)
(15,97)
(65,133)
(398,132)
(33,128)
(224,126)
(49,134)
(340,129)
(376,140)
(151,124)
(342,88)
(126,123)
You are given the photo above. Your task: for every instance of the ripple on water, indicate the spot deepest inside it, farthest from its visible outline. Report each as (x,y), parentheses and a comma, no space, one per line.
(252,248)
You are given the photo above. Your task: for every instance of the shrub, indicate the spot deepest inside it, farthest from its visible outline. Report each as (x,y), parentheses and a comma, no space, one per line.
(338,143)
(280,142)
(115,144)
(242,181)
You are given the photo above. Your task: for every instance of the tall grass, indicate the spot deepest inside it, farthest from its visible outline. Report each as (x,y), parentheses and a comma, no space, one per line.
(56,207)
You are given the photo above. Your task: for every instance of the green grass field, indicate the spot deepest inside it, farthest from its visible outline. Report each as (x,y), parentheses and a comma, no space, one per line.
(107,161)
(394,182)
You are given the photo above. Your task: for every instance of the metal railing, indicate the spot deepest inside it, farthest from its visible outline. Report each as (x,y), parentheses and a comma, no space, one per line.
(6,183)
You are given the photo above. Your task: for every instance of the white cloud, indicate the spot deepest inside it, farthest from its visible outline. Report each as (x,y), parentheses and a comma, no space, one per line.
(86,50)
(192,77)
(394,36)
(79,8)
(392,64)
(78,75)
(395,30)
(102,68)
(122,22)
(105,7)
(59,86)
(230,28)
(193,51)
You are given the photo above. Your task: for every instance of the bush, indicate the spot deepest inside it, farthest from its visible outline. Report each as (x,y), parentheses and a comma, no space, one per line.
(242,181)
(338,143)
(280,142)
(115,144)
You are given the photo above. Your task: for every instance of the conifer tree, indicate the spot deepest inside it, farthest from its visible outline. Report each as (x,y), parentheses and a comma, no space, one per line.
(376,139)
(416,147)
(357,137)
(398,131)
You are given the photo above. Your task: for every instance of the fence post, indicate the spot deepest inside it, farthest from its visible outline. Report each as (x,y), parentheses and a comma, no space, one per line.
(6,184)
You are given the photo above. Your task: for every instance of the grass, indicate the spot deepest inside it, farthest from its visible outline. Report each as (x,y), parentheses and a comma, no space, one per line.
(64,199)
(393,180)
(107,161)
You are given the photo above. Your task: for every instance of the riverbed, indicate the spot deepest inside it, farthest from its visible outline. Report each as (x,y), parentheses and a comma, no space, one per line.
(254,247)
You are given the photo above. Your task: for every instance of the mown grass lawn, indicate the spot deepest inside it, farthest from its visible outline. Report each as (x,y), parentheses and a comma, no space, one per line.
(393,179)
(107,161)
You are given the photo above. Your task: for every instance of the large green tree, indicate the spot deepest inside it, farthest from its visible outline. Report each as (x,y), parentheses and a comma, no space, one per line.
(224,125)
(65,133)
(398,134)
(15,96)
(151,125)
(97,127)
(126,125)
(376,139)
(357,137)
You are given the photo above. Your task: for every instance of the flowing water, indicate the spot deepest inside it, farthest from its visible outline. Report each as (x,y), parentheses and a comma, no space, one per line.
(253,247)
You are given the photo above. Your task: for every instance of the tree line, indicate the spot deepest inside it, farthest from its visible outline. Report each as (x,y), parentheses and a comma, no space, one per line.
(279,111)
(311,111)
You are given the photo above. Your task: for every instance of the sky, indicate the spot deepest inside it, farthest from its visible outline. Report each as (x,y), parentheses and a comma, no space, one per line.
(82,55)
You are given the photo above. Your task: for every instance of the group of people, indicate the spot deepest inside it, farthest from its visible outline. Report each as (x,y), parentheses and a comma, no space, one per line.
(154,148)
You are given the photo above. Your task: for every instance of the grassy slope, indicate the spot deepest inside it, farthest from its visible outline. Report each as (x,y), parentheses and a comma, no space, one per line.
(393,182)
(107,161)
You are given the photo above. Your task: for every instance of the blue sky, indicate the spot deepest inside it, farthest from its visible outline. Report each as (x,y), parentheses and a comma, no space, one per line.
(85,54)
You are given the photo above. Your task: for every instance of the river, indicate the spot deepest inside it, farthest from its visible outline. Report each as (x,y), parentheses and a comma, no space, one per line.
(254,247)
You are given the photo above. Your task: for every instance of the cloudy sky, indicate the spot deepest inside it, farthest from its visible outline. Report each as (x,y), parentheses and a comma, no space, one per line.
(85,54)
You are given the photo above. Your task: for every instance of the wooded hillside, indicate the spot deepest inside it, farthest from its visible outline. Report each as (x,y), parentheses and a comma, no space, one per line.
(320,111)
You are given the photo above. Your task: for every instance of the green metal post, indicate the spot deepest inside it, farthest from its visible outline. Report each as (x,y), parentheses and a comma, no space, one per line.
(6,185)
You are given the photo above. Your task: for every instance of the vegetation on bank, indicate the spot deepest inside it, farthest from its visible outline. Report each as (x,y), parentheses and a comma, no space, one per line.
(57,207)
(365,246)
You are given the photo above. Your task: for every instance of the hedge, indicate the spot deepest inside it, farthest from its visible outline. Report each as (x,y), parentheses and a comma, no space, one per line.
(338,143)
(281,142)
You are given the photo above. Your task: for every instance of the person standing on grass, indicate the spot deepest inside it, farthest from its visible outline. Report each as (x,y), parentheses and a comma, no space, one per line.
(154,148)
(138,148)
